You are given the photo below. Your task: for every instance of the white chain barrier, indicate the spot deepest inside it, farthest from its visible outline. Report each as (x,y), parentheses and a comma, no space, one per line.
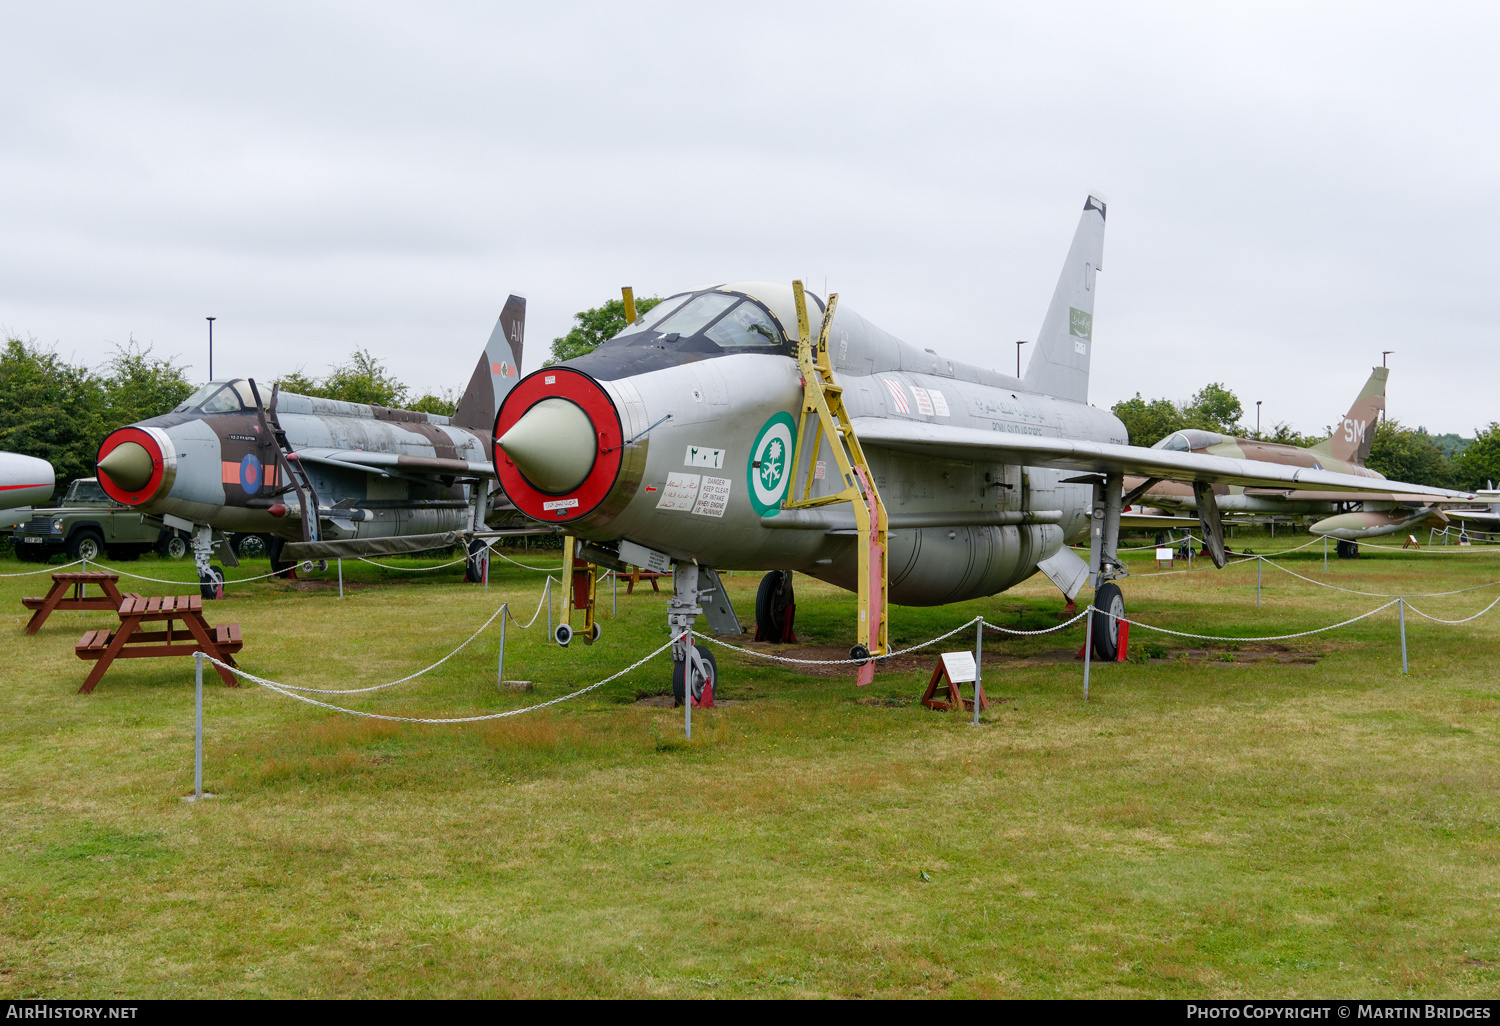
(403,680)
(1376,594)
(546,596)
(411,569)
(1218,637)
(525,566)
(1466,619)
(47,569)
(282,689)
(192,584)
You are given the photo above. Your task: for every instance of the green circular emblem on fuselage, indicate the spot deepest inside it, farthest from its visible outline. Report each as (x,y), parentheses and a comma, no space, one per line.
(770,470)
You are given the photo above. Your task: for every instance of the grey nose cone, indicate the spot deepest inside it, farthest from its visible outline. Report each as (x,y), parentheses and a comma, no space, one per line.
(128,465)
(553,444)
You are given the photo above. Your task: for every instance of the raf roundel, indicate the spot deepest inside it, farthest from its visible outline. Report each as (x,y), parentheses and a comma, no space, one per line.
(250,478)
(770,469)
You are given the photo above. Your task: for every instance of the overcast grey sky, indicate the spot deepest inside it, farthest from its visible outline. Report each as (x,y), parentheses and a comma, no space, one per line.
(1292,188)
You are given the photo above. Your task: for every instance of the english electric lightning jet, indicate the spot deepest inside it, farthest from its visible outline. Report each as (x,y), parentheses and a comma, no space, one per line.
(719,431)
(24,481)
(322,478)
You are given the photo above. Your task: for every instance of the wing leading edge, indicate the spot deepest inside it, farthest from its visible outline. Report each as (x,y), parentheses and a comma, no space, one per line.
(1103,457)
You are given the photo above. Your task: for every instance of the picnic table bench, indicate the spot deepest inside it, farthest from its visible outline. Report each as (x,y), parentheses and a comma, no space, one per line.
(58,597)
(130,641)
(637,575)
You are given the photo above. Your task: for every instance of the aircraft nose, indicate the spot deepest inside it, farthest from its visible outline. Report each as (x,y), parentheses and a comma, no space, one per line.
(553,445)
(129,466)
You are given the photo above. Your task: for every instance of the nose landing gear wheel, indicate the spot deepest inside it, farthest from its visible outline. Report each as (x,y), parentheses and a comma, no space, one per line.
(679,675)
(1106,628)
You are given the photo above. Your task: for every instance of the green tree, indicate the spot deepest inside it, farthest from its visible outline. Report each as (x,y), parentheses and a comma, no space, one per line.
(591,327)
(139,387)
(1479,463)
(51,409)
(1402,454)
(1149,422)
(443,405)
(1284,434)
(1214,408)
(362,379)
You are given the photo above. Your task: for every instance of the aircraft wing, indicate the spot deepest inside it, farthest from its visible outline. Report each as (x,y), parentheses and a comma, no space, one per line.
(391,463)
(1082,457)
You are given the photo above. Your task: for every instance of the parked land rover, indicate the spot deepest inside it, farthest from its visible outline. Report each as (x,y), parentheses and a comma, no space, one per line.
(89,524)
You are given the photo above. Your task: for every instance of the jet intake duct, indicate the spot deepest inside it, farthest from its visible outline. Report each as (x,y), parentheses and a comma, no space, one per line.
(136,465)
(558,445)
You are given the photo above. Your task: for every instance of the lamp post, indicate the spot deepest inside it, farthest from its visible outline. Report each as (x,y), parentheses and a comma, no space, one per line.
(1019,343)
(1257,417)
(211,347)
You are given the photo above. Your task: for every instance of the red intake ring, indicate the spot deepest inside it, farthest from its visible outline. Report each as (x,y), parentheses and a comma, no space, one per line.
(583,391)
(158,467)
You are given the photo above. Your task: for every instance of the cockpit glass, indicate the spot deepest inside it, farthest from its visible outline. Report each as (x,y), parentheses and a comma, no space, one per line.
(225,400)
(745,325)
(1185,441)
(691,318)
(644,321)
(197,397)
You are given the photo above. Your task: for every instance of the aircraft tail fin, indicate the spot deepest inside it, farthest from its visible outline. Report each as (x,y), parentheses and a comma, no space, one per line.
(1059,363)
(497,371)
(1355,433)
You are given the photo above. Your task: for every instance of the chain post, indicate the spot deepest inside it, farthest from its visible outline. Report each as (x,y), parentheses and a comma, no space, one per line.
(978,657)
(500,669)
(1088,646)
(1401,613)
(197,724)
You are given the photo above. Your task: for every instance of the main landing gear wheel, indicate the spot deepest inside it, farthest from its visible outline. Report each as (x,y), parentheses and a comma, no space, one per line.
(474,564)
(772,601)
(1107,599)
(172,545)
(280,567)
(679,674)
(211,583)
(1347,550)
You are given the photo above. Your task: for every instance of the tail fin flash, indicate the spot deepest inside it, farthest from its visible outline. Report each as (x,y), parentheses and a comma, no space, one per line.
(1355,433)
(499,367)
(1060,359)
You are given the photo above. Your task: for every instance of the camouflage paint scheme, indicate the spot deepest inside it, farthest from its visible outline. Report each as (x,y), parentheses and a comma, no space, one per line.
(378,473)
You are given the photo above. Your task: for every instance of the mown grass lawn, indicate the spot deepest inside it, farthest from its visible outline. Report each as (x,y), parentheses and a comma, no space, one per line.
(1227,820)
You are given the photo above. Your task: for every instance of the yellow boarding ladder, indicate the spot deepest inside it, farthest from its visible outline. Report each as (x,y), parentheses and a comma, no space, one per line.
(823,396)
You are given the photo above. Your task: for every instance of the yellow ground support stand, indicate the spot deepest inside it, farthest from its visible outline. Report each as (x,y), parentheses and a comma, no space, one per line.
(580,589)
(824,398)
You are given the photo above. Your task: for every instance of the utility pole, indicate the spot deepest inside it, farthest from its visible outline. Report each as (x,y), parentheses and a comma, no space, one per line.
(1019,343)
(211,347)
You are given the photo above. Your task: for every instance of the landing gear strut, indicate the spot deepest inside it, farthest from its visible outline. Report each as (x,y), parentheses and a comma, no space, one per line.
(210,578)
(689,660)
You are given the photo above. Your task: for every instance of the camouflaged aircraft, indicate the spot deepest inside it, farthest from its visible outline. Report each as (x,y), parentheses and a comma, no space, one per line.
(718,432)
(320,477)
(1355,515)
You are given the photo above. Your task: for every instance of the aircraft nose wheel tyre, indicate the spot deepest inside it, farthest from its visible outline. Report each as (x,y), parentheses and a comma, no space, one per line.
(679,675)
(1347,550)
(1106,629)
(211,583)
(85,545)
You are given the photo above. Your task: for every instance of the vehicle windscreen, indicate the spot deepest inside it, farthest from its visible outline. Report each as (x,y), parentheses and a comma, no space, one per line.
(745,325)
(86,490)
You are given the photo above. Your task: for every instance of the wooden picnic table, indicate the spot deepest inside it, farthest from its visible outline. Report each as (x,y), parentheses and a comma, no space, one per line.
(58,597)
(195,635)
(637,575)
